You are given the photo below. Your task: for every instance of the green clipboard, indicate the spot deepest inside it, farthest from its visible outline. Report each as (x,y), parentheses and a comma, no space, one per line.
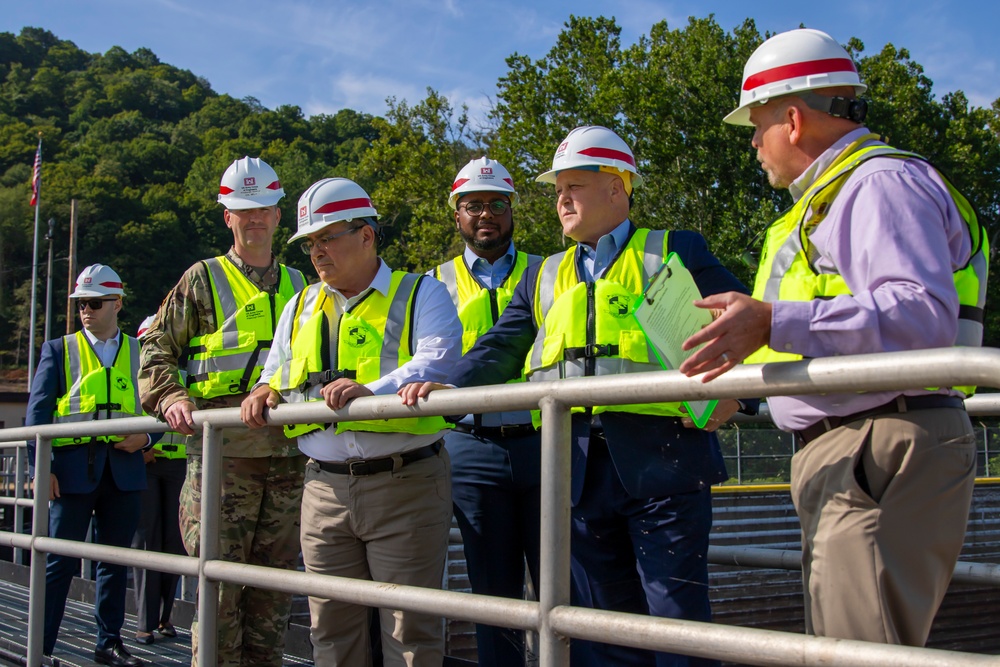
(667,318)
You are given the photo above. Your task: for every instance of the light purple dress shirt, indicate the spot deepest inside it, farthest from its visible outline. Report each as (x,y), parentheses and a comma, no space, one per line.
(894,234)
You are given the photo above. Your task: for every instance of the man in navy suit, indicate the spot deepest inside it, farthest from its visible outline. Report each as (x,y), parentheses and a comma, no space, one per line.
(641,474)
(82,377)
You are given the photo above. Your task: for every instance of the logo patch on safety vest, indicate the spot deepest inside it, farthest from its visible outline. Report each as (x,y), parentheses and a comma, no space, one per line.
(357,336)
(121,383)
(251,311)
(617,306)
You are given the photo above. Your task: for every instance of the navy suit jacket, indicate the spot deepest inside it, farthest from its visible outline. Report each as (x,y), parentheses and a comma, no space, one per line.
(69,463)
(653,456)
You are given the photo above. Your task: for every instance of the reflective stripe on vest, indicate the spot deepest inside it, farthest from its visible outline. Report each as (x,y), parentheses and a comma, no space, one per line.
(96,392)
(787,271)
(372,339)
(587,329)
(230,359)
(480,307)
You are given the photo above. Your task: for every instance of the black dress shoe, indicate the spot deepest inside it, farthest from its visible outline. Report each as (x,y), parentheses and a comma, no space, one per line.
(116,656)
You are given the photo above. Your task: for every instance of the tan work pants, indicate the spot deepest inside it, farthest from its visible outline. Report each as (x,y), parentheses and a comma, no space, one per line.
(391,527)
(877,564)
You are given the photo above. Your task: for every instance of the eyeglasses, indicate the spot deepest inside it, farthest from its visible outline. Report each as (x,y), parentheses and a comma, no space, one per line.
(95,304)
(308,244)
(497,207)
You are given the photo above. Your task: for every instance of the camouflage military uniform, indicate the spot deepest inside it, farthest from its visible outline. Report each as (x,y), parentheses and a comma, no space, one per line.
(261,483)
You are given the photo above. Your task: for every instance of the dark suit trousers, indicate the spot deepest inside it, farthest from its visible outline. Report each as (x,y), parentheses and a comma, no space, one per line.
(159,530)
(639,555)
(495,490)
(116,514)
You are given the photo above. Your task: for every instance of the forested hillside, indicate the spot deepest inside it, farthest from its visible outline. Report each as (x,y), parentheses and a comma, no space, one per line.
(141,145)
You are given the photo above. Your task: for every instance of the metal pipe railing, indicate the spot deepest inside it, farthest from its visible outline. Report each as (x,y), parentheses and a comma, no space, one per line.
(555,621)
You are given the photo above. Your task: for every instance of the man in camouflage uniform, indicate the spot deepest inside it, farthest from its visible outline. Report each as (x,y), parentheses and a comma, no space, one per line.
(243,291)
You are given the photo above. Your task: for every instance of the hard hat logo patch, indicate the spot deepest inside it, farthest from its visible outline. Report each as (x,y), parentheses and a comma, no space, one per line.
(249,182)
(88,280)
(303,211)
(561,151)
(486,170)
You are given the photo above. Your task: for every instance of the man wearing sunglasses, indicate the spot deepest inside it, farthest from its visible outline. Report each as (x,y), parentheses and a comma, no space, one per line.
(377,499)
(91,375)
(216,325)
(495,468)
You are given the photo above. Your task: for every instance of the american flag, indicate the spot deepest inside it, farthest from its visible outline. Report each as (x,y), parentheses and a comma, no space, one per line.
(36,175)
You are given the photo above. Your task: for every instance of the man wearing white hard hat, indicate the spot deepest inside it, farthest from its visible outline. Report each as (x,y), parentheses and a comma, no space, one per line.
(641,474)
(216,326)
(879,253)
(495,457)
(377,498)
(82,377)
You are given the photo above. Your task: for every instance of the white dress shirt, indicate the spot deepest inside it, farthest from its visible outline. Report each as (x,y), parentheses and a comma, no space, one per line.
(106,350)
(438,337)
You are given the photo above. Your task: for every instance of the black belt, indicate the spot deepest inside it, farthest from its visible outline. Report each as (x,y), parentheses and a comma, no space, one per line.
(364,467)
(897,405)
(505,431)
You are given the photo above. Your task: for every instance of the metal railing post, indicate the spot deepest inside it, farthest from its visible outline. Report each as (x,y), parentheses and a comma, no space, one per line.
(554,584)
(19,480)
(39,527)
(208,550)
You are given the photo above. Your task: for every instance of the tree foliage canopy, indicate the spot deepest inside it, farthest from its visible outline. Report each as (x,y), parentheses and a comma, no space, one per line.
(141,145)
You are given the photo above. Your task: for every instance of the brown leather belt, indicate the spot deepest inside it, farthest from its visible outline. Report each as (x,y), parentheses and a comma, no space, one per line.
(365,467)
(506,431)
(898,405)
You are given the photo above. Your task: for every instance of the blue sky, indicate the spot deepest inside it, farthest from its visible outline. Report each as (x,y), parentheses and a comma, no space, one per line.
(327,55)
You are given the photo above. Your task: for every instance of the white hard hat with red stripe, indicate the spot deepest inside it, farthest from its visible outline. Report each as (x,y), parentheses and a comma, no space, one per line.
(593,148)
(249,183)
(144,326)
(332,200)
(482,175)
(794,62)
(97,280)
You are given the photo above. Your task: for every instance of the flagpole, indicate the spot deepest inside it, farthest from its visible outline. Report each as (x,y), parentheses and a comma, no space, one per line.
(34,268)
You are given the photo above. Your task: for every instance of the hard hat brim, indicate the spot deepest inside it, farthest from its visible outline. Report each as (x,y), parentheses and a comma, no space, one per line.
(240,204)
(511,195)
(551,175)
(90,294)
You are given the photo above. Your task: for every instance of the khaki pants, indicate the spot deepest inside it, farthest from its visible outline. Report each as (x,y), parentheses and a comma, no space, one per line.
(391,527)
(877,563)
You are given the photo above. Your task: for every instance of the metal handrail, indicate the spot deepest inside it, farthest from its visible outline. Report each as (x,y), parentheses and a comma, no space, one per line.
(552,616)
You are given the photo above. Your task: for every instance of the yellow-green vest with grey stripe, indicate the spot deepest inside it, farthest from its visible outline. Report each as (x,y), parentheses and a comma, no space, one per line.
(95,391)
(371,339)
(229,360)
(787,273)
(587,328)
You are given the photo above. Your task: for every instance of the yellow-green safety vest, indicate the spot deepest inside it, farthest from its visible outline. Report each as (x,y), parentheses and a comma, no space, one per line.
(787,273)
(371,339)
(480,307)
(230,359)
(94,391)
(587,328)
(172,445)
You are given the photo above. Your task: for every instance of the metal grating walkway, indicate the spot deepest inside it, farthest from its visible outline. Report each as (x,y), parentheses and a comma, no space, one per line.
(75,647)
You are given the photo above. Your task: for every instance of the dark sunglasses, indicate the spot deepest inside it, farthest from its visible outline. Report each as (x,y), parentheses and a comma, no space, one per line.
(95,304)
